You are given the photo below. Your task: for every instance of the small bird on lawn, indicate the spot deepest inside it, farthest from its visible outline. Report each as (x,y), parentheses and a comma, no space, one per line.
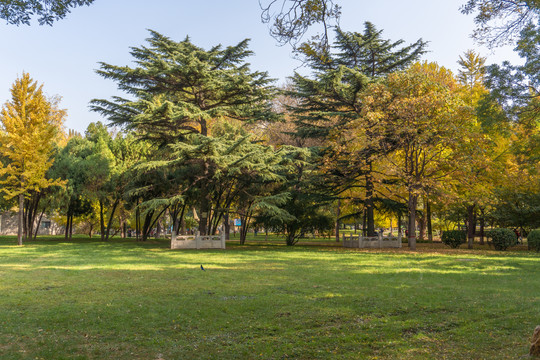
(202,268)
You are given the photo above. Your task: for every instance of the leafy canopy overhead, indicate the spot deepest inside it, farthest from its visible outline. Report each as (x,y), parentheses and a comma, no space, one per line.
(18,12)
(290,20)
(500,21)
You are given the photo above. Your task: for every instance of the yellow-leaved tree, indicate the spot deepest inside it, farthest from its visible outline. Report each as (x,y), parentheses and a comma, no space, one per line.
(30,126)
(424,117)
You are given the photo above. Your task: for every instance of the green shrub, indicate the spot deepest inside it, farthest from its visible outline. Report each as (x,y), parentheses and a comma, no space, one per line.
(454,238)
(533,239)
(502,239)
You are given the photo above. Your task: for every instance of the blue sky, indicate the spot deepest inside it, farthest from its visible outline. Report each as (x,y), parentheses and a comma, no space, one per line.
(63,57)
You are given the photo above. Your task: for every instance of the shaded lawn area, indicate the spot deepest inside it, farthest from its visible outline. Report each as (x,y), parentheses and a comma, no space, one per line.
(127,300)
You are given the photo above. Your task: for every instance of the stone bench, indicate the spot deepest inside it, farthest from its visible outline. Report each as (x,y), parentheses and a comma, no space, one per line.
(198,241)
(378,242)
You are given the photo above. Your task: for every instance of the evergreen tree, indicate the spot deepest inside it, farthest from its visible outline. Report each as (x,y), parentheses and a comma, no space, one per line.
(332,101)
(181,90)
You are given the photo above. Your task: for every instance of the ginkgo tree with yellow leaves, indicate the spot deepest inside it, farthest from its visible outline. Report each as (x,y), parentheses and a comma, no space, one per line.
(30,124)
(424,110)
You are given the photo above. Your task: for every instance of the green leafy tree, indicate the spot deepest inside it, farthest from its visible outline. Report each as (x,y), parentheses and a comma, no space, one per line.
(48,11)
(501,21)
(303,209)
(77,165)
(179,90)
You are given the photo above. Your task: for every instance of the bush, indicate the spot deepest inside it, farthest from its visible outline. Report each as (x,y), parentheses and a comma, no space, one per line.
(502,238)
(454,238)
(533,239)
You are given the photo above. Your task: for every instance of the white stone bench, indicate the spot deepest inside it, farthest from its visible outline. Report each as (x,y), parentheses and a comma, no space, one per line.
(198,241)
(380,242)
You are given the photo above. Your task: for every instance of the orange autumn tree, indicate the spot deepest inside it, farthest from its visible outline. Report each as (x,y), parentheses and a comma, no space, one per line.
(30,125)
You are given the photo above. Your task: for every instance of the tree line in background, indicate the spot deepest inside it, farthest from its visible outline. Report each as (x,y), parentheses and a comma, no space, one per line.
(370,134)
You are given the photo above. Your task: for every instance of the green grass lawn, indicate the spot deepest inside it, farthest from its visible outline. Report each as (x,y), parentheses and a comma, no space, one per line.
(127,300)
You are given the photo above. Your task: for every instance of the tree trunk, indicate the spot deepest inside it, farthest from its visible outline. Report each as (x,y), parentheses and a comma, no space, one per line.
(158,230)
(413,202)
(205,205)
(399,223)
(364,223)
(68,214)
(428,218)
(203,219)
(482,224)
(21,219)
(183,229)
(101,221)
(146,227)
(227,225)
(25,219)
(123,228)
(291,234)
(70,227)
(244,226)
(471,225)
(370,215)
(111,217)
(137,221)
(338,214)
(26,211)
(38,224)
(32,214)
(181,221)
(422,227)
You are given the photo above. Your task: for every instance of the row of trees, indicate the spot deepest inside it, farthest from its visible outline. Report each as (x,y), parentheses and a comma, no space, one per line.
(370,131)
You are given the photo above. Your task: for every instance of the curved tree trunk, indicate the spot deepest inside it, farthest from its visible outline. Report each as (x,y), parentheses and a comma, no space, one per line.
(38,224)
(111,217)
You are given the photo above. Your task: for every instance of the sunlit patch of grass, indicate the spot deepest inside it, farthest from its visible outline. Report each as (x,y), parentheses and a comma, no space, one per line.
(128,300)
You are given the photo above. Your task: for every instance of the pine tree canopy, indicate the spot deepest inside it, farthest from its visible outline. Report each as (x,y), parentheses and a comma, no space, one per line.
(178,88)
(368,52)
(332,98)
